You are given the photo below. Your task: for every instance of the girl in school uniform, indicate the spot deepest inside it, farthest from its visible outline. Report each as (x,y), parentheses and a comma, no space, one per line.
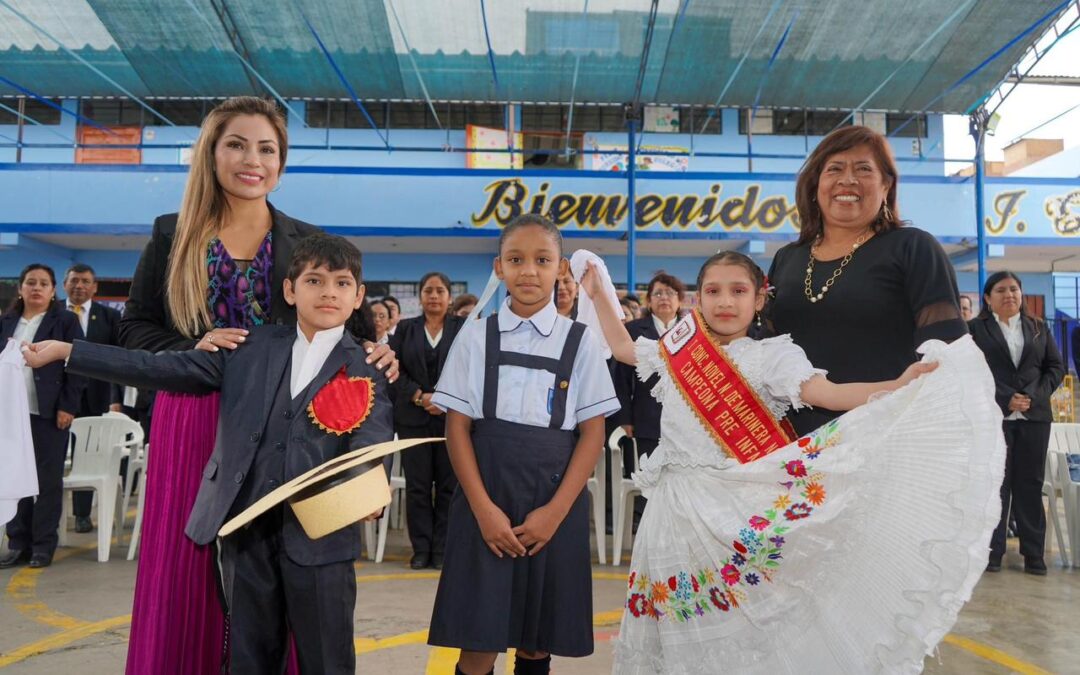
(849,550)
(517,571)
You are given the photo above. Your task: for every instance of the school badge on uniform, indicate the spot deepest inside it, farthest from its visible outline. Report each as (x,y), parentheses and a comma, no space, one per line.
(343,404)
(678,337)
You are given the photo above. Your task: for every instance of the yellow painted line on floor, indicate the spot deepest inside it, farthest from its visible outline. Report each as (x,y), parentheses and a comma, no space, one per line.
(996,655)
(63,639)
(610,576)
(22,591)
(399,576)
(364,645)
(442,661)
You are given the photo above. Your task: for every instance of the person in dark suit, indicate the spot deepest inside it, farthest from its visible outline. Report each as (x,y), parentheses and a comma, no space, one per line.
(292,398)
(422,344)
(1027,368)
(53,396)
(640,413)
(100,324)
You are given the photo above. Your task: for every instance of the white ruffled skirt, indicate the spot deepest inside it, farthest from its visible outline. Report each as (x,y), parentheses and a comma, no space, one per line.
(849,551)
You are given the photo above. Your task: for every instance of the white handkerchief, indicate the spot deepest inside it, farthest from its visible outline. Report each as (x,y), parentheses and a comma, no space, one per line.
(19,477)
(586,308)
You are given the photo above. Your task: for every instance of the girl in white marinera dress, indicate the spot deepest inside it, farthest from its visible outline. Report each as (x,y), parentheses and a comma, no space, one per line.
(849,550)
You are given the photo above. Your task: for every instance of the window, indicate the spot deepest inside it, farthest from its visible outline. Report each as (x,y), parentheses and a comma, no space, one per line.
(412,116)
(189,113)
(35,110)
(916,128)
(483,115)
(543,118)
(1067,294)
(344,114)
(113,111)
(794,122)
(763,121)
(693,118)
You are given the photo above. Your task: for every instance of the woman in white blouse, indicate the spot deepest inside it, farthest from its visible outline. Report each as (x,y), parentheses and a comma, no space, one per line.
(422,343)
(1027,368)
(53,398)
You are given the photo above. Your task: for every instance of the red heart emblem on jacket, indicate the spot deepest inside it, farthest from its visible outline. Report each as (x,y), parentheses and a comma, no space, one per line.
(343,403)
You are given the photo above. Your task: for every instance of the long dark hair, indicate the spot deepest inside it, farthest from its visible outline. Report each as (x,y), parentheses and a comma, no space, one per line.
(17,305)
(995,279)
(811,222)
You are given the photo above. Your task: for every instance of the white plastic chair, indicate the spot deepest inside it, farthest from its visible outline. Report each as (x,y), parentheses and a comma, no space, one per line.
(135,453)
(1064,440)
(136,529)
(375,532)
(1050,491)
(622,503)
(98,446)
(596,487)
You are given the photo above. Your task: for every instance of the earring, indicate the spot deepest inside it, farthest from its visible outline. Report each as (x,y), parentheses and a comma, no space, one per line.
(758,319)
(886,212)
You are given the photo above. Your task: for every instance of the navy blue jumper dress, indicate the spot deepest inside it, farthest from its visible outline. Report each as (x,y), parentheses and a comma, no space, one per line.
(535,603)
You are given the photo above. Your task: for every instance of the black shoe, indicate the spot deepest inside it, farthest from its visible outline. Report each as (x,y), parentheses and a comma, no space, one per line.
(39,560)
(13,558)
(994,565)
(83,524)
(436,560)
(1036,566)
(420,561)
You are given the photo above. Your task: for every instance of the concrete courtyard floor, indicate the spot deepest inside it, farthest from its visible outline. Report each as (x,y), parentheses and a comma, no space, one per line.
(73,618)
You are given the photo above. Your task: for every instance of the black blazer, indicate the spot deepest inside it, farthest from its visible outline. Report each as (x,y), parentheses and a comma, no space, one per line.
(103,328)
(408,342)
(1039,373)
(639,408)
(247,378)
(147,324)
(56,389)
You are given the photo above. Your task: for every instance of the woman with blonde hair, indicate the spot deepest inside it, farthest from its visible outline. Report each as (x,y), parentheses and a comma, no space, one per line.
(209,273)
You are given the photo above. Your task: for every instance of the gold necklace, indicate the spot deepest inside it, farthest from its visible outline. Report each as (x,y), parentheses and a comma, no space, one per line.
(808,285)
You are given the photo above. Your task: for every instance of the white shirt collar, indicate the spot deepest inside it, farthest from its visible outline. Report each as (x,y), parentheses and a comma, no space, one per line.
(331,335)
(308,358)
(1011,324)
(662,327)
(37,317)
(85,305)
(543,321)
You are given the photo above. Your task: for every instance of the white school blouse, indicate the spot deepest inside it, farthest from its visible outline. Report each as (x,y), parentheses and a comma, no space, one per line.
(524,392)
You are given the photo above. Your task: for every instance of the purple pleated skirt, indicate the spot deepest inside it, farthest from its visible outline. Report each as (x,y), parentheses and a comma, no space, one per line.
(177,625)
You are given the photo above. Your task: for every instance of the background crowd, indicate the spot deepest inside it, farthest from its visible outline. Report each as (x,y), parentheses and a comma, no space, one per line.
(858,291)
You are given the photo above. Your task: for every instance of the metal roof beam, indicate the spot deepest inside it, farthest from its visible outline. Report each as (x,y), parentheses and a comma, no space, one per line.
(1053,80)
(1032,56)
(233,33)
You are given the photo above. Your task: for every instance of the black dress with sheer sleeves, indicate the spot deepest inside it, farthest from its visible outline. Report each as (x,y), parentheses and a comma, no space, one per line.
(897,291)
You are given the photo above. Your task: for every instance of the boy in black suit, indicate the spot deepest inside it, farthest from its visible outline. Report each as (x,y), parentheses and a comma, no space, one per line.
(291,399)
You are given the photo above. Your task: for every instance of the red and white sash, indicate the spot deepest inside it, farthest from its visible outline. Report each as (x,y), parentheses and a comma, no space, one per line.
(719,395)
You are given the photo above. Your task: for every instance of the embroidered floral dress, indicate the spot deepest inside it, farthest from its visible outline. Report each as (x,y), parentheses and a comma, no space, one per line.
(849,551)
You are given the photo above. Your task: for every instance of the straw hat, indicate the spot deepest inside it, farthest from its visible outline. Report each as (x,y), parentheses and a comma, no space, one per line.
(339,492)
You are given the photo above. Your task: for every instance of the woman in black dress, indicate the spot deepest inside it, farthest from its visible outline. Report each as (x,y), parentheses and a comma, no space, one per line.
(1027,368)
(859,291)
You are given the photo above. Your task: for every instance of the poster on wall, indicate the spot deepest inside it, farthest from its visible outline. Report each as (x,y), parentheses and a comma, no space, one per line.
(614,157)
(106,136)
(496,140)
(661,119)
